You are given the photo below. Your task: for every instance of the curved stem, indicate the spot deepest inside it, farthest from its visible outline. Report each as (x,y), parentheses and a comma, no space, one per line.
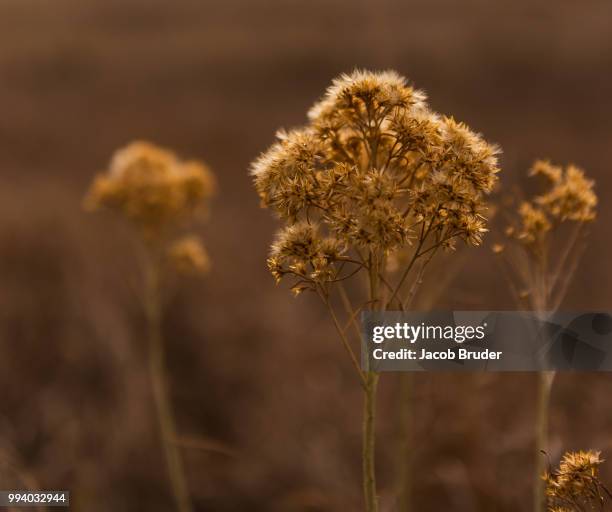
(343,338)
(545,380)
(159,385)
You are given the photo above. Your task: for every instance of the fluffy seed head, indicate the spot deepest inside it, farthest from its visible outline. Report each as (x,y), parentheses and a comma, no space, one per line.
(152,187)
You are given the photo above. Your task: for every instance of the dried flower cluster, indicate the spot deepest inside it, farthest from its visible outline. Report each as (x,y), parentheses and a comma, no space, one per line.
(546,231)
(570,197)
(159,193)
(373,172)
(575,485)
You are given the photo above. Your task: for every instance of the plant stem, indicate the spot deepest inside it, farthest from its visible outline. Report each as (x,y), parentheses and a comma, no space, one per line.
(160,389)
(405,442)
(545,380)
(369,407)
(369,438)
(344,339)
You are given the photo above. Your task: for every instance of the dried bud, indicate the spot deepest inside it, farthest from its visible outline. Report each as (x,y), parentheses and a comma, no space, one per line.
(188,256)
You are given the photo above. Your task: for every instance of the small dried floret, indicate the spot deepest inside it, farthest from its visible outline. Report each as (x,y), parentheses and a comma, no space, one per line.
(544,168)
(534,223)
(468,157)
(152,187)
(300,241)
(189,256)
(359,94)
(286,176)
(570,197)
(299,251)
(576,481)
(580,463)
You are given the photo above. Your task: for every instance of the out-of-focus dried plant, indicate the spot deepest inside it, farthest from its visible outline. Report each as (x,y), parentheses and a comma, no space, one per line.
(375,173)
(545,239)
(152,188)
(160,195)
(540,254)
(575,485)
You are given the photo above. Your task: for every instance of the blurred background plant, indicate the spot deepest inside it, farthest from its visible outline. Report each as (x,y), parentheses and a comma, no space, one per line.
(374,173)
(546,238)
(160,195)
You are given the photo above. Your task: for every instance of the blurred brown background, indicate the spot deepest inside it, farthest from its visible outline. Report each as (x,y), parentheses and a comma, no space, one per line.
(258,378)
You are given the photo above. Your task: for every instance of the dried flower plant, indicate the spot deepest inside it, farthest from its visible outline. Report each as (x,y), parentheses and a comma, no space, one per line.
(373,174)
(575,485)
(160,195)
(541,257)
(536,235)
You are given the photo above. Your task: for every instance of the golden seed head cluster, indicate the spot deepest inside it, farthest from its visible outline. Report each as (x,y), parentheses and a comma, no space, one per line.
(153,188)
(159,194)
(576,481)
(372,167)
(569,198)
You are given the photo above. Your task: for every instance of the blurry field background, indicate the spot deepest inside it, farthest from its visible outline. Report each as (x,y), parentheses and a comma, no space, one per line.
(264,397)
